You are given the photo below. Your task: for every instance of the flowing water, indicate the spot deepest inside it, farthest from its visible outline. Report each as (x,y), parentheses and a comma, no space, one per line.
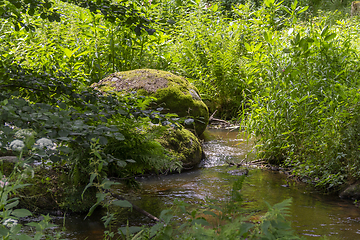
(313,215)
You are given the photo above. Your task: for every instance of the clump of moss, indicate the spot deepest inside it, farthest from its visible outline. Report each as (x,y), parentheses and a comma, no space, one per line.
(183,145)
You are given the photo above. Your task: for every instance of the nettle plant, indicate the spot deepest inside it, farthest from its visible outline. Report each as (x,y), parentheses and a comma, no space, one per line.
(306,98)
(87,43)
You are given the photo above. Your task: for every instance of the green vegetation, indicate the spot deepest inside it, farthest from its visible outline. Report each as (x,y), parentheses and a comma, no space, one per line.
(289,70)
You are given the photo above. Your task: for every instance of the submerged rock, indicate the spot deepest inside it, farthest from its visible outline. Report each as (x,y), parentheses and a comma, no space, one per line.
(173,92)
(238,172)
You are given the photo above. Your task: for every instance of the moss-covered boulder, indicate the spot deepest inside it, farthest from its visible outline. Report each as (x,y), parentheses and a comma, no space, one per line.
(174,92)
(183,145)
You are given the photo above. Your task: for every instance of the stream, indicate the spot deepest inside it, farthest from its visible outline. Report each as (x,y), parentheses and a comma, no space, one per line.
(313,215)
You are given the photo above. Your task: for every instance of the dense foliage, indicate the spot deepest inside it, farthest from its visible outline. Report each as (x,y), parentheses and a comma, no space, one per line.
(289,70)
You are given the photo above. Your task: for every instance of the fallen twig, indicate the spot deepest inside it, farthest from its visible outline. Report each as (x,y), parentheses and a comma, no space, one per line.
(237,164)
(212,116)
(219,120)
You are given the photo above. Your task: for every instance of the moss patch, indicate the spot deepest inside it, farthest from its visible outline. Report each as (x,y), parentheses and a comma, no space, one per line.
(183,145)
(174,92)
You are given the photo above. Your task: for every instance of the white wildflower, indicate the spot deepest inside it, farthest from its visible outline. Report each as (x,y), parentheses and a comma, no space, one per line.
(44,143)
(17,145)
(24,133)
(10,222)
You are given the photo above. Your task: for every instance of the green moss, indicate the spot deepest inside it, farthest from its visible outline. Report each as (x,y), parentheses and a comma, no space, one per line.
(183,145)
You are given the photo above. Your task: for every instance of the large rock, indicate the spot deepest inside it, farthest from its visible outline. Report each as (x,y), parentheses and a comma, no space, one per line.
(351,192)
(178,95)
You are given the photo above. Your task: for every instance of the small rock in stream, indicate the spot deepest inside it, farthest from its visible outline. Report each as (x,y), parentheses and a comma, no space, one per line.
(239,172)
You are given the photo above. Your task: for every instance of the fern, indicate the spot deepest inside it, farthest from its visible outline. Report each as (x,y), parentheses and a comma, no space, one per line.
(274,225)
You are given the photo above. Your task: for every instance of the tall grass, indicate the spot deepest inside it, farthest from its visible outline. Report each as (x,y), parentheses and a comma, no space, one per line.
(304,113)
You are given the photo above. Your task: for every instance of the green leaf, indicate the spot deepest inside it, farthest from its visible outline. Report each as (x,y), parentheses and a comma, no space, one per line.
(103,140)
(266,36)
(265,227)
(214,7)
(200,221)
(324,31)
(121,163)
(15,230)
(257,47)
(329,37)
(303,9)
(166,215)
(290,100)
(297,39)
(122,203)
(210,213)
(119,136)
(245,228)
(65,149)
(286,50)
(63,133)
(11,205)
(303,44)
(106,184)
(17,186)
(68,52)
(62,105)
(129,230)
(92,177)
(21,213)
(3,230)
(216,207)
(100,197)
(32,224)
(247,46)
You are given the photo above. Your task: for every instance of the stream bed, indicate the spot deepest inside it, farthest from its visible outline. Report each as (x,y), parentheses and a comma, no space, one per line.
(313,215)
